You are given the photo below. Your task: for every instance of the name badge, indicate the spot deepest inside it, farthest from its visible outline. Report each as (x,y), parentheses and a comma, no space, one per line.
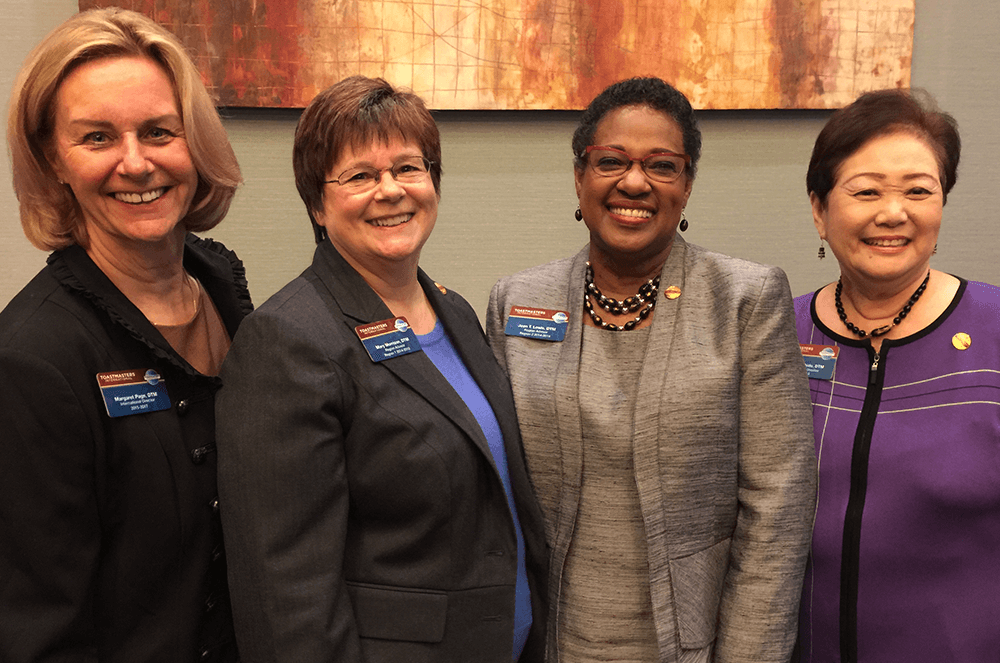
(133,392)
(820,360)
(386,339)
(541,323)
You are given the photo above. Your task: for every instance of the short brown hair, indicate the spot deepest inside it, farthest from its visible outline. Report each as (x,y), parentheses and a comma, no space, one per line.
(880,113)
(356,112)
(50,215)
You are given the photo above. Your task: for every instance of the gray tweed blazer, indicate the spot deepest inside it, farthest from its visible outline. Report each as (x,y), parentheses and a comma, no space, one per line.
(723,447)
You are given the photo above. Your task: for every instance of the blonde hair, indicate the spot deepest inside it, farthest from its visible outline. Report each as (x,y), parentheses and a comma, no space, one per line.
(50,215)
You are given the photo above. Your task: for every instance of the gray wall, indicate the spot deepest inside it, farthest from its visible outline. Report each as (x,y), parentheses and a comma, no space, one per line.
(507,194)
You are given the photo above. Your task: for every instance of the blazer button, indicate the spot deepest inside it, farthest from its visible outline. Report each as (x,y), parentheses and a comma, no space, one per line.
(205,654)
(198,455)
(214,505)
(182,406)
(494,553)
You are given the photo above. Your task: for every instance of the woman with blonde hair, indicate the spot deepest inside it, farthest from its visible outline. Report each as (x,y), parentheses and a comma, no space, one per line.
(110,542)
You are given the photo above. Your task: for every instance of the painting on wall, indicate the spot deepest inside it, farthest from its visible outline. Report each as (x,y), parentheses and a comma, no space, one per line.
(544,54)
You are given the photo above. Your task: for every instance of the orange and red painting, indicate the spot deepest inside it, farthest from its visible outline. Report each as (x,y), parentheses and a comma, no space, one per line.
(544,54)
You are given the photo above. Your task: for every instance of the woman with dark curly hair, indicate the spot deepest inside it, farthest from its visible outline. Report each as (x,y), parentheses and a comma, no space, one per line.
(664,411)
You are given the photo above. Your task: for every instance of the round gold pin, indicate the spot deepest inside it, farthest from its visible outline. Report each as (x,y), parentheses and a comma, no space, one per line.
(961,341)
(672,292)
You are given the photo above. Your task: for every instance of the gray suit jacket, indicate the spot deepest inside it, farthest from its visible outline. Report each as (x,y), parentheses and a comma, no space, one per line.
(723,447)
(363,514)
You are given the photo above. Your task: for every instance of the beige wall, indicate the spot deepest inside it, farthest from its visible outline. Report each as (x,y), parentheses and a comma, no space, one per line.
(508,198)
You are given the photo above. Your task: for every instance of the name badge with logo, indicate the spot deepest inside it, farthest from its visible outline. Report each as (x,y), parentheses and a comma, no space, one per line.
(541,323)
(386,339)
(820,360)
(133,392)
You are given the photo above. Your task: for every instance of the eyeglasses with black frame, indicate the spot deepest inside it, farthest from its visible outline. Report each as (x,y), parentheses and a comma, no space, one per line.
(662,167)
(361,179)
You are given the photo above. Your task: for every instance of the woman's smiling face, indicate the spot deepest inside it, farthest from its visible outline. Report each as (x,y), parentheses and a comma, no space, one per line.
(387,225)
(632,216)
(119,144)
(883,214)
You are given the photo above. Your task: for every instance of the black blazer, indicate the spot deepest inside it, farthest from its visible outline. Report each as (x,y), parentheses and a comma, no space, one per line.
(363,514)
(110,542)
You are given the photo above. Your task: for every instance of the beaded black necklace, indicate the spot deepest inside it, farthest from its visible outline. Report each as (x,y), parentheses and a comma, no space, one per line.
(861,333)
(645,298)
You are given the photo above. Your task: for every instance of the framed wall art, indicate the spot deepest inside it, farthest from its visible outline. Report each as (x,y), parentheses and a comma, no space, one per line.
(544,54)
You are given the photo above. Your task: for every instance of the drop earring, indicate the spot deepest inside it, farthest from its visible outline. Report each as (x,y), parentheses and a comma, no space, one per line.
(822,249)
(684,222)
(578,214)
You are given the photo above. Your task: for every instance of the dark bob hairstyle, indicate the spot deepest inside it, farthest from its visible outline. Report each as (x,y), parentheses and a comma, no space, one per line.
(876,114)
(357,112)
(651,92)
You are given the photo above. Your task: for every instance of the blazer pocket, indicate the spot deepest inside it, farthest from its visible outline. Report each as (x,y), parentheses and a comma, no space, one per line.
(397,613)
(697,582)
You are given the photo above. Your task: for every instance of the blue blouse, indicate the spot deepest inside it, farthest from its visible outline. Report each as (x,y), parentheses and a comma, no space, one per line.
(438,348)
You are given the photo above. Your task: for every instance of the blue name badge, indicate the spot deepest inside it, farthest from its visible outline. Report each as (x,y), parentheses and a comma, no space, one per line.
(386,339)
(541,323)
(133,392)
(820,360)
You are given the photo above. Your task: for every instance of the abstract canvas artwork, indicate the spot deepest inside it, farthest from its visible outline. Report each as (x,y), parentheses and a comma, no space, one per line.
(544,54)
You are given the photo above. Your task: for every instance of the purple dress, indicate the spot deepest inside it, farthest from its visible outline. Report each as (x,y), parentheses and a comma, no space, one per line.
(905,562)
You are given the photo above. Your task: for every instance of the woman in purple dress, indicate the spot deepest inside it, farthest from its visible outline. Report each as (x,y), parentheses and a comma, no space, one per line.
(904,366)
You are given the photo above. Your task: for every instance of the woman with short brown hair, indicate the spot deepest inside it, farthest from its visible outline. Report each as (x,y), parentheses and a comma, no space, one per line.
(374,495)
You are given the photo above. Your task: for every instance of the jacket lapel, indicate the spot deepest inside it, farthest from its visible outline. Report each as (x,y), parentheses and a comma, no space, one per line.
(459,321)
(646,440)
(359,305)
(567,389)
(223,276)
(646,425)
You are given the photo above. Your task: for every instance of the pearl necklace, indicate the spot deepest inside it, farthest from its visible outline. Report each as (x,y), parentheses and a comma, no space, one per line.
(646,296)
(861,333)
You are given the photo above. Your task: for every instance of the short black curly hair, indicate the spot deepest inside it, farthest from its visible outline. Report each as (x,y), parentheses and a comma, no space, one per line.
(651,92)
(880,113)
